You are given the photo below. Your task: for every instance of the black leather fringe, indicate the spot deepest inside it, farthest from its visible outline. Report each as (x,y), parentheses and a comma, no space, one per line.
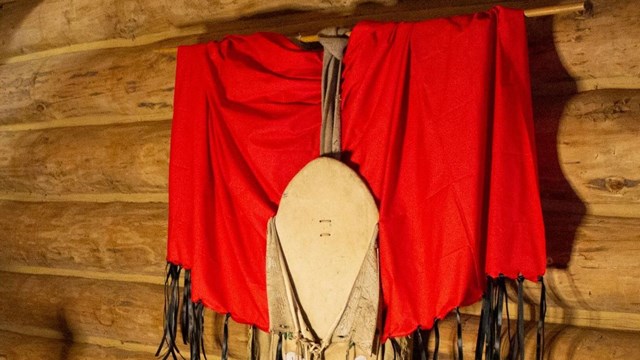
(187,317)
(489,337)
(459,339)
(225,337)
(171,307)
(396,348)
(506,305)
(500,292)
(517,342)
(542,314)
(485,316)
(436,348)
(490,329)
(521,317)
(419,347)
(252,343)
(196,331)
(279,348)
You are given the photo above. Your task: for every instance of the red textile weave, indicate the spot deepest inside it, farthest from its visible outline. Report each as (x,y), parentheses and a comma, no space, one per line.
(436,118)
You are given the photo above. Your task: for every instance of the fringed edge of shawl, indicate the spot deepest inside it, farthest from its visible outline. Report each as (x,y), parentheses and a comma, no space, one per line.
(171,307)
(225,337)
(189,314)
(494,300)
(196,331)
(419,351)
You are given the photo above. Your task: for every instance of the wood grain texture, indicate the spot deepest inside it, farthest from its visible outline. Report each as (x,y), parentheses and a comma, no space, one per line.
(592,278)
(600,271)
(121,85)
(136,83)
(586,144)
(290,23)
(118,238)
(26,347)
(606,165)
(96,159)
(587,149)
(562,341)
(82,308)
(96,312)
(570,52)
(92,312)
(28,26)
(64,25)
(126,242)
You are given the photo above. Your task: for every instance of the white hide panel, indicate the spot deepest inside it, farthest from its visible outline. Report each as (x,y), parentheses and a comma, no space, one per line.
(325,221)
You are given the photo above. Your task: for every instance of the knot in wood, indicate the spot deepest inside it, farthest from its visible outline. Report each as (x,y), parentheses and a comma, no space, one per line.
(614,184)
(128,28)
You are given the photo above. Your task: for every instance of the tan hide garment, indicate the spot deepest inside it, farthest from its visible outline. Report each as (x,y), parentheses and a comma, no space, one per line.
(322,263)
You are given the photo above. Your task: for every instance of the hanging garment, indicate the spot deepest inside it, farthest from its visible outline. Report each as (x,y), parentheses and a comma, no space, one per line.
(246,120)
(436,119)
(322,264)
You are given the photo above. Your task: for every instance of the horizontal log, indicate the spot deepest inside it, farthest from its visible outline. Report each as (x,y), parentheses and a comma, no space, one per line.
(82,308)
(587,152)
(29,26)
(117,238)
(132,84)
(94,197)
(94,87)
(572,53)
(126,241)
(85,311)
(98,159)
(64,25)
(561,341)
(26,347)
(96,312)
(592,278)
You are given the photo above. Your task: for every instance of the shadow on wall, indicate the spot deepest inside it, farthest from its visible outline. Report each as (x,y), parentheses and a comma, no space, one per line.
(563,210)
(63,326)
(19,10)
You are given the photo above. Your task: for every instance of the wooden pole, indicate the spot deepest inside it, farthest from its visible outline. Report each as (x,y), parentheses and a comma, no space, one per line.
(536,12)
(559,9)
(584,6)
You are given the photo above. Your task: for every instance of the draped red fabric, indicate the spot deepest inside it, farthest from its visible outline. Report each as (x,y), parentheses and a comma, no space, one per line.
(246,120)
(437,118)
(437,121)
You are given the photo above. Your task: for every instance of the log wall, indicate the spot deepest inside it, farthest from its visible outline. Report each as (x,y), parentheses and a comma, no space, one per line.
(85,116)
